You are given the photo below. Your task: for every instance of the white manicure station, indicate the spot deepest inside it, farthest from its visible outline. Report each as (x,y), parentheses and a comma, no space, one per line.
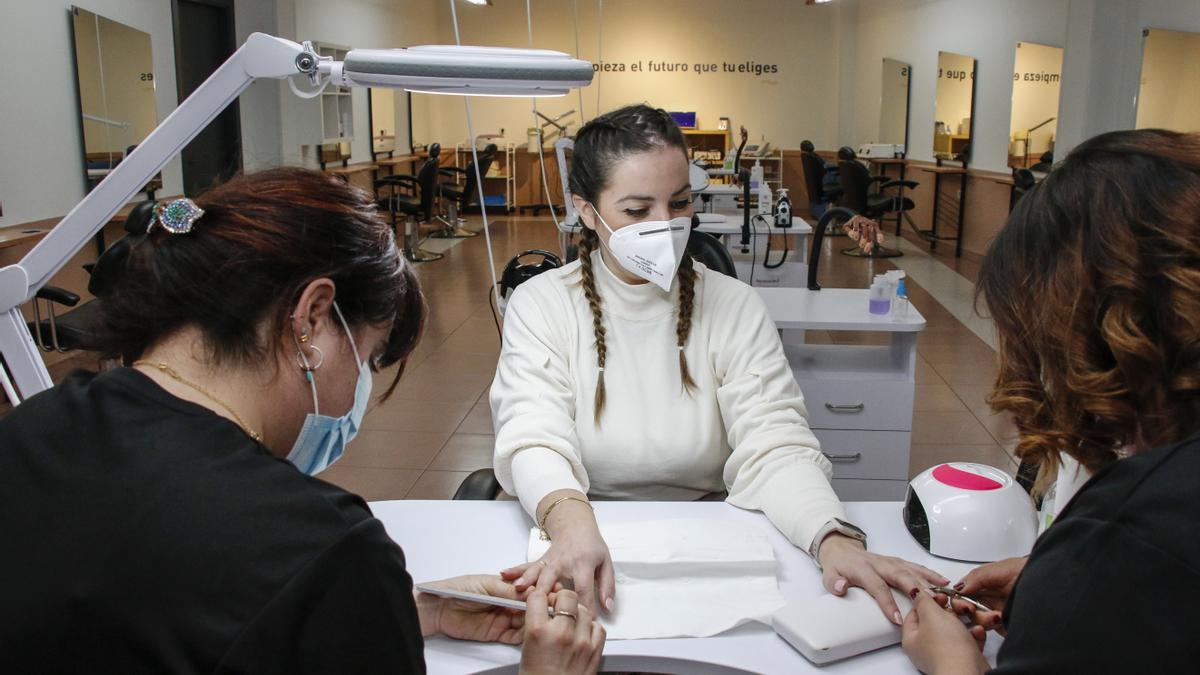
(793,272)
(859,397)
(448,538)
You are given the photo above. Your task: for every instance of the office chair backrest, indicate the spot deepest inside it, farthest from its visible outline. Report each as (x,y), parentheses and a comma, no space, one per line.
(427,179)
(709,250)
(470,189)
(856,180)
(814,175)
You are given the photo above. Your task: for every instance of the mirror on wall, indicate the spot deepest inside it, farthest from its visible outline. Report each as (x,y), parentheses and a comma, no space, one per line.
(114,71)
(1169,93)
(893,107)
(389,111)
(954,107)
(1037,79)
(383,119)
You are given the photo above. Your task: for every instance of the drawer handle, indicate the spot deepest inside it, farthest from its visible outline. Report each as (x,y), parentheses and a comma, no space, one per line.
(849,408)
(843,457)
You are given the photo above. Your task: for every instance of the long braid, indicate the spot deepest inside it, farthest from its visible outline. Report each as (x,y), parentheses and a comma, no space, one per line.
(586,245)
(683,326)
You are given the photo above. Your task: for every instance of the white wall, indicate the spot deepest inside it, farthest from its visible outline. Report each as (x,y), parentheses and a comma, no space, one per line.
(42,175)
(259,106)
(915,31)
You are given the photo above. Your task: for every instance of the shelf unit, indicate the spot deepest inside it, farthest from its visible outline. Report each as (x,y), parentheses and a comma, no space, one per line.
(707,141)
(772,164)
(328,119)
(504,168)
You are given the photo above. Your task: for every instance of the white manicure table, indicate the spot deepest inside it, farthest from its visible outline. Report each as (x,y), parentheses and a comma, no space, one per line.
(448,538)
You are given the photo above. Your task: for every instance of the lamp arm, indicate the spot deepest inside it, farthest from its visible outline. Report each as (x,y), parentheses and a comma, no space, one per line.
(262,56)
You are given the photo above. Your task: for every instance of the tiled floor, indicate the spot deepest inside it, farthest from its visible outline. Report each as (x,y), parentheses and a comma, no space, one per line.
(437,427)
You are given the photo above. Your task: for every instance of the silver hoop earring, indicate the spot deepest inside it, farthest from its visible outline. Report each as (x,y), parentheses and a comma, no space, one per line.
(302,360)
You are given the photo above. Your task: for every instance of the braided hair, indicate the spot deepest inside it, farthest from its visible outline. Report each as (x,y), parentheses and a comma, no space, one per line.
(599,145)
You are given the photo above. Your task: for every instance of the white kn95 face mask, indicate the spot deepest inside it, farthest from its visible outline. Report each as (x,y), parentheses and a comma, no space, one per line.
(652,249)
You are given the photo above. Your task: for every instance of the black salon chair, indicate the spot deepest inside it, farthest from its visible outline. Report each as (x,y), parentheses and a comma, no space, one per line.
(821,192)
(417,206)
(867,195)
(460,197)
(1023,182)
(1044,163)
(77,328)
(712,252)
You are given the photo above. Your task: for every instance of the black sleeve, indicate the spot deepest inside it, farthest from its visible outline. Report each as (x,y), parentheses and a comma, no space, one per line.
(350,610)
(1098,598)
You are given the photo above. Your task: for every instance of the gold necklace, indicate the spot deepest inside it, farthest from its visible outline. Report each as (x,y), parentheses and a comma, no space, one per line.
(170,372)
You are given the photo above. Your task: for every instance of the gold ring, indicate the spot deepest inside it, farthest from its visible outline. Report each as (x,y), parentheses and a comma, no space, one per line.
(563,612)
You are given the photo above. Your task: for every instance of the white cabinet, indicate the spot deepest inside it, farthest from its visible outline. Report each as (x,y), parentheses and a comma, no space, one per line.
(859,397)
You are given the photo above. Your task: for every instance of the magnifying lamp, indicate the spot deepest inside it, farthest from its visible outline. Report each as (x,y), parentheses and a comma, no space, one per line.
(478,71)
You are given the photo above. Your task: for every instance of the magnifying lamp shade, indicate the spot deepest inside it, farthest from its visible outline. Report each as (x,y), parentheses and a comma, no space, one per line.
(479,71)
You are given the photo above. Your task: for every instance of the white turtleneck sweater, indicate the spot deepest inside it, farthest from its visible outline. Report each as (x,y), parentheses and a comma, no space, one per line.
(742,429)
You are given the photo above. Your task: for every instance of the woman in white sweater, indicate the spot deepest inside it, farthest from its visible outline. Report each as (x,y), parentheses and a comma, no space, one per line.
(614,387)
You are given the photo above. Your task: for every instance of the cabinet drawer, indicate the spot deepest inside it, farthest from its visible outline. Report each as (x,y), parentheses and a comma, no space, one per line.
(866,454)
(881,405)
(863,490)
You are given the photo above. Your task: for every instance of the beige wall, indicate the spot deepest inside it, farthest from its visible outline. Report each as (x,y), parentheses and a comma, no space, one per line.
(1037,75)
(797,102)
(1169,96)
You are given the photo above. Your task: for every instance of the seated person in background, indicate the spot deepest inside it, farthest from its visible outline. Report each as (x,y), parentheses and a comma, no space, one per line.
(610,386)
(1094,285)
(153,522)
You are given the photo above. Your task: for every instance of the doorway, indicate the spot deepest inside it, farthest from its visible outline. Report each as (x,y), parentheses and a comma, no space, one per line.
(204,39)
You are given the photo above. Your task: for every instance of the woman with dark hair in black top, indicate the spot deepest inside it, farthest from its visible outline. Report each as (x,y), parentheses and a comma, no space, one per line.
(1094,285)
(165,517)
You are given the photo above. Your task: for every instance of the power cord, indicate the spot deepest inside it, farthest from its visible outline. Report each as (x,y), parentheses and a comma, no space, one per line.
(767,255)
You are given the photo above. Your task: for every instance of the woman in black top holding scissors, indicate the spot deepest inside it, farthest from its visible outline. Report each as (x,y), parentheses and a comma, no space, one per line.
(1094,285)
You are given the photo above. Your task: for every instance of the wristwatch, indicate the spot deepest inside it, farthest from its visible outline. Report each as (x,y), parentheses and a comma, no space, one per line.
(834,525)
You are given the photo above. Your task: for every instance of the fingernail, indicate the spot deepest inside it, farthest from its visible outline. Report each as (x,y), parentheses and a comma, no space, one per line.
(913,594)
(996,620)
(839,586)
(608,604)
(959,586)
(896,617)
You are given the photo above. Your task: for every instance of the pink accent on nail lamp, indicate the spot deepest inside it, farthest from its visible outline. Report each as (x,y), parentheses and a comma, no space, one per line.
(964,479)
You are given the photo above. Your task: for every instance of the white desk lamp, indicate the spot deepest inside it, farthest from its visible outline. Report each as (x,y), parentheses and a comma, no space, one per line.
(482,71)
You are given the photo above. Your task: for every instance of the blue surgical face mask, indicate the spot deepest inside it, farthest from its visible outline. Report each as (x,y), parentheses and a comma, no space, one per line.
(323,439)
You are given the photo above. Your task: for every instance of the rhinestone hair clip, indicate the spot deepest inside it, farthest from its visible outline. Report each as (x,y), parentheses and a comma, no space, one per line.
(177,216)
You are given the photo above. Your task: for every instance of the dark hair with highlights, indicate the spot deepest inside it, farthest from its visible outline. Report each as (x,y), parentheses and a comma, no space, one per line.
(1094,285)
(263,238)
(599,145)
